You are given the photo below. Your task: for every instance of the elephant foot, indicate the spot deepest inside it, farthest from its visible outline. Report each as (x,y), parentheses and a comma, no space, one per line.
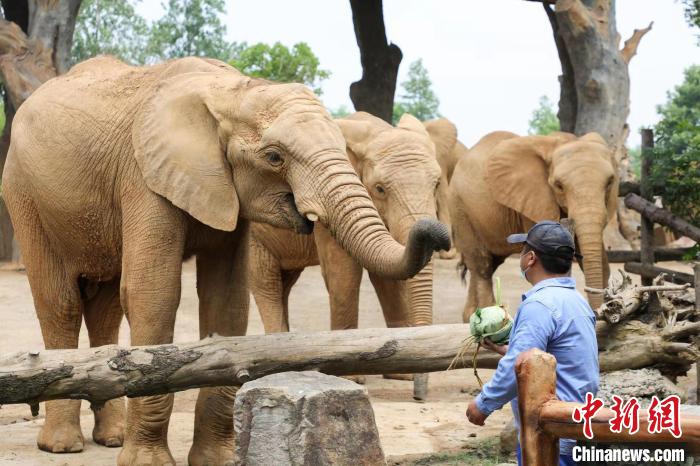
(408,377)
(211,453)
(451,254)
(63,438)
(359,379)
(140,454)
(109,424)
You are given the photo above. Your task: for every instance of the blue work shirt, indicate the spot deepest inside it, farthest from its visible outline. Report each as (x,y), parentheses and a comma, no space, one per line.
(555,318)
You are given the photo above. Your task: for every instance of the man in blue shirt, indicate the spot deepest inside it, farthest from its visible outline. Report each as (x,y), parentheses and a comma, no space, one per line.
(553,317)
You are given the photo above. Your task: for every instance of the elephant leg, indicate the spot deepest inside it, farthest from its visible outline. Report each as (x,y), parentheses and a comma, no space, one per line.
(222,287)
(153,247)
(103,316)
(342,276)
(266,285)
(59,310)
(289,278)
(392,299)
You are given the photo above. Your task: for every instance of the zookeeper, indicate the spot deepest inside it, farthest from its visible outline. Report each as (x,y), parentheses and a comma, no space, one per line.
(553,317)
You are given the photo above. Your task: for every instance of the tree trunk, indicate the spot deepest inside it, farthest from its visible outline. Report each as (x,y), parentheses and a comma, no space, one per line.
(36,38)
(103,373)
(595,83)
(374,93)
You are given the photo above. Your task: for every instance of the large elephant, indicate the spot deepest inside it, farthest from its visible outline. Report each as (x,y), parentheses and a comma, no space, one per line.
(448,150)
(506,183)
(400,170)
(115,174)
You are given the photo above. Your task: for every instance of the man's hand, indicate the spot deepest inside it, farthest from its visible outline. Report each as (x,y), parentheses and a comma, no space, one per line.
(500,349)
(475,416)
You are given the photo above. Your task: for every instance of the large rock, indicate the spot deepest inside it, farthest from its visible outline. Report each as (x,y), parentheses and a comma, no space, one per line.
(305,418)
(639,383)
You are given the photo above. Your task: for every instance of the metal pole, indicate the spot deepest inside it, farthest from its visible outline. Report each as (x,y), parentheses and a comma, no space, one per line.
(646,191)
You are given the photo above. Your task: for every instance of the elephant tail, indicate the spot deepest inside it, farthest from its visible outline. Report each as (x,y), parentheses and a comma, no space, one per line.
(462,267)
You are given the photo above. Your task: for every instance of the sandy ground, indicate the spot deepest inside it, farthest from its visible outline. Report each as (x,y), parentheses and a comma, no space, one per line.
(405,427)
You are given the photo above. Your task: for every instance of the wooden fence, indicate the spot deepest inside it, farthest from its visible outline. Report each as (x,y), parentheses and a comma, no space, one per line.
(544,419)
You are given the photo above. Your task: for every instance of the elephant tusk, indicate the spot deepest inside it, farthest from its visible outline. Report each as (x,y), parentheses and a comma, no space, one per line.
(312,217)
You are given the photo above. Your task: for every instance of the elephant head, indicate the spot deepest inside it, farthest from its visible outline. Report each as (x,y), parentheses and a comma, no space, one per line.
(399,169)
(560,175)
(220,146)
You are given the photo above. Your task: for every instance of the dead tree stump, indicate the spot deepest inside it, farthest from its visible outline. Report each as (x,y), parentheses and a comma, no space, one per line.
(299,418)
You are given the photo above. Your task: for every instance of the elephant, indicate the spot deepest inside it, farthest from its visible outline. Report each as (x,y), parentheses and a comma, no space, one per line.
(398,165)
(448,150)
(116,174)
(506,183)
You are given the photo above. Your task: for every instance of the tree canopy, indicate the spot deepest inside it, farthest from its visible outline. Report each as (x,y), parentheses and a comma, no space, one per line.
(278,62)
(190,28)
(692,12)
(418,97)
(544,120)
(109,27)
(676,163)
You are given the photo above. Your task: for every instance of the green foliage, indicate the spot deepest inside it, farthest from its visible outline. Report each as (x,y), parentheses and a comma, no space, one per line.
(110,27)
(189,28)
(692,12)
(340,112)
(676,163)
(635,158)
(279,63)
(418,98)
(544,120)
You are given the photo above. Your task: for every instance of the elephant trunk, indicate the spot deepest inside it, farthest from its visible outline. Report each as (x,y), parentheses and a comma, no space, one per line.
(590,240)
(420,297)
(348,212)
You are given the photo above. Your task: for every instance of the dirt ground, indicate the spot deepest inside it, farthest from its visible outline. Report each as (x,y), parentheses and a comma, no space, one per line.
(405,426)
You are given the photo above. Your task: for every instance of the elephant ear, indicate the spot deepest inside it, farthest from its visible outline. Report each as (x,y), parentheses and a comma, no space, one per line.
(517,173)
(444,135)
(181,156)
(359,129)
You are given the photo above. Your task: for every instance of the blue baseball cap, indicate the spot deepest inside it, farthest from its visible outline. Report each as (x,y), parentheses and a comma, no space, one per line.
(550,238)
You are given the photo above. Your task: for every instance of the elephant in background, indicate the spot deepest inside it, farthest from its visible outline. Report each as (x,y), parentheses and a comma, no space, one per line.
(507,183)
(115,174)
(448,150)
(400,170)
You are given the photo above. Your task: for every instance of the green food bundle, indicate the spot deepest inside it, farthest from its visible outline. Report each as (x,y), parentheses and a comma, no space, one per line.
(491,322)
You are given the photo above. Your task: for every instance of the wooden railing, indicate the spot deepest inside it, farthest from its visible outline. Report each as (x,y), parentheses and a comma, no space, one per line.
(544,419)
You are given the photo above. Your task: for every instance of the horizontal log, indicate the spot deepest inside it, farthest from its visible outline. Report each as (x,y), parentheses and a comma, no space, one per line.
(660,254)
(102,373)
(652,271)
(662,216)
(556,420)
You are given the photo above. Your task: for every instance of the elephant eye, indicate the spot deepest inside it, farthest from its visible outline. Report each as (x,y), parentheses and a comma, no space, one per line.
(558,185)
(380,189)
(273,158)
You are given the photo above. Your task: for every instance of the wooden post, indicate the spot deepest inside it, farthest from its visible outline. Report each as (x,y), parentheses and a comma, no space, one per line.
(646,190)
(537,378)
(696,268)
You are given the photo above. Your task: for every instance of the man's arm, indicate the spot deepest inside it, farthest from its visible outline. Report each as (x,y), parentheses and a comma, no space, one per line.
(533,328)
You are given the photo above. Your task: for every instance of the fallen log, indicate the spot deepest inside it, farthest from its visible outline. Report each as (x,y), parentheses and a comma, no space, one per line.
(102,373)
(662,216)
(660,254)
(651,271)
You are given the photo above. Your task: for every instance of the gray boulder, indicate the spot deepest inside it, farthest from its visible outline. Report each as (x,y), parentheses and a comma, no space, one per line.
(305,418)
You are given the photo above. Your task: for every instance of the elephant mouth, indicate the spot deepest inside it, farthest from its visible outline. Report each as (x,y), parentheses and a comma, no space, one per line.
(300,224)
